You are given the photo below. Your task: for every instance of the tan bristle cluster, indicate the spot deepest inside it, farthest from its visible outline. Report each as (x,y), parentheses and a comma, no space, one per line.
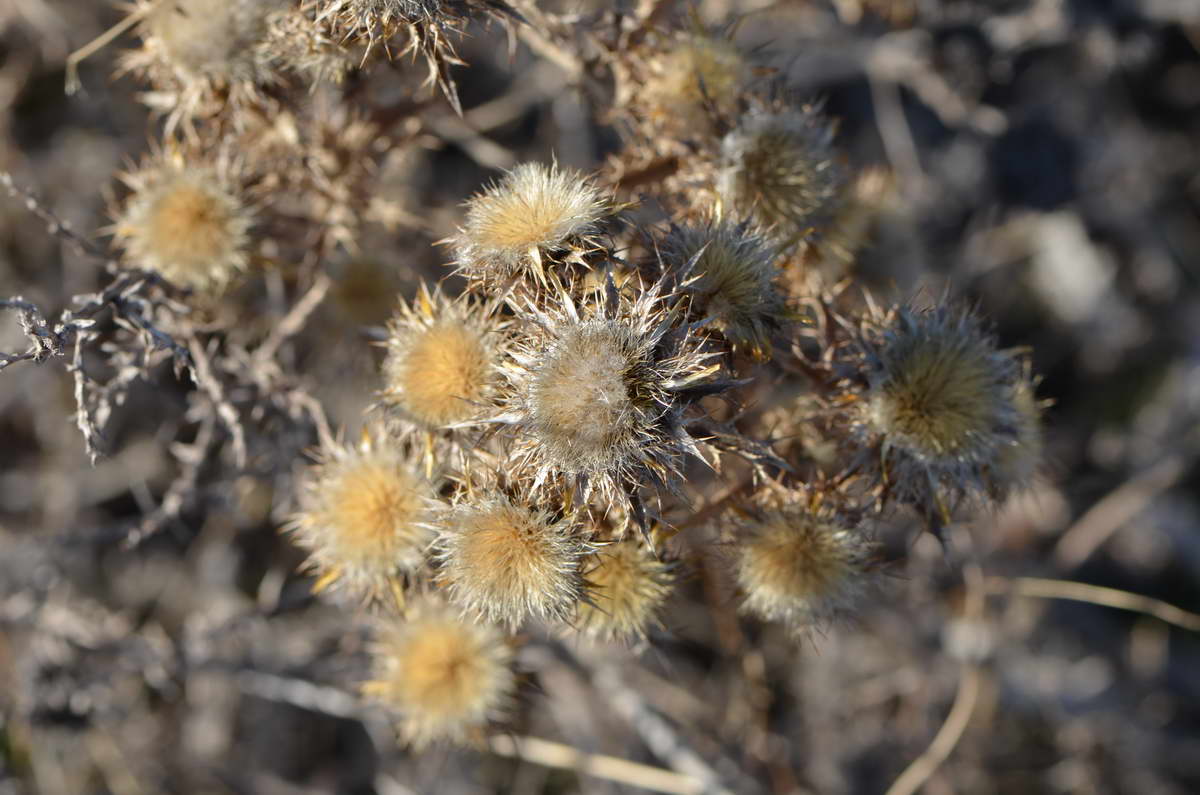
(536,217)
(626,587)
(600,394)
(777,166)
(1016,463)
(447,677)
(940,401)
(690,82)
(508,562)
(185,220)
(442,361)
(364,519)
(732,281)
(801,566)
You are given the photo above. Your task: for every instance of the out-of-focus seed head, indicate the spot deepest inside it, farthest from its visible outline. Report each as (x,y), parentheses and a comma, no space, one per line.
(185,220)
(448,677)
(364,519)
(802,565)
(427,24)
(507,562)
(200,53)
(626,586)
(940,399)
(778,167)
(441,366)
(689,82)
(1016,463)
(732,282)
(535,217)
(598,394)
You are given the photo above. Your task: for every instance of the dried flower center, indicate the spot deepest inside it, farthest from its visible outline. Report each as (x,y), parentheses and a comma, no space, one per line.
(371,508)
(444,372)
(445,672)
(506,541)
(939,397)
(581,396)
(794,562)
(189,227)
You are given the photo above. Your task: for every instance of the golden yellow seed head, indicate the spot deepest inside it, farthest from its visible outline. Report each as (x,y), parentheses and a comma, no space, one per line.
(186,223)
(447,676)
(507,562)
(535,211)
(363,521)
(800,567)
(441,375)
(626,586)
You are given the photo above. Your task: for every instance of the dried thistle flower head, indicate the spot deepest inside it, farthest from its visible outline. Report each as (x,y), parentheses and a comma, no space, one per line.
(695,77)
(732,281)
(802,565)
(201,53)
(507,562)
(626,586)
(600,393)
(442,360)
(536,216)
(777,167)
(364,519)
(448,677)
(185,220)
(940,400)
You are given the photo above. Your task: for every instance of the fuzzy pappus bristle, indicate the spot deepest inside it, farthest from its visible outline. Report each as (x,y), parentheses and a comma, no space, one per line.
(448,677)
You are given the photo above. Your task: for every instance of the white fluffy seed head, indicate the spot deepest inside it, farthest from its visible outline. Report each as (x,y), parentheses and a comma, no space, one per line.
(447,676)
(508,562)
(535,216)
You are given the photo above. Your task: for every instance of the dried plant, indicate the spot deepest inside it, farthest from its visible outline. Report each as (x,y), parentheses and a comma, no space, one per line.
(609,351)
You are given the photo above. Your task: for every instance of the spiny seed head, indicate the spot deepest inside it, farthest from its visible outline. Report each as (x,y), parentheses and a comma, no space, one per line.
(508,562)
(626,586)
(778,168)
(732,282)
(697,75)
(364,519)
(441,365)
(448,677)
(598,394)
(802,566)
(941,397)
(1017,462)
(210,38)
(536,215)
(185,220)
